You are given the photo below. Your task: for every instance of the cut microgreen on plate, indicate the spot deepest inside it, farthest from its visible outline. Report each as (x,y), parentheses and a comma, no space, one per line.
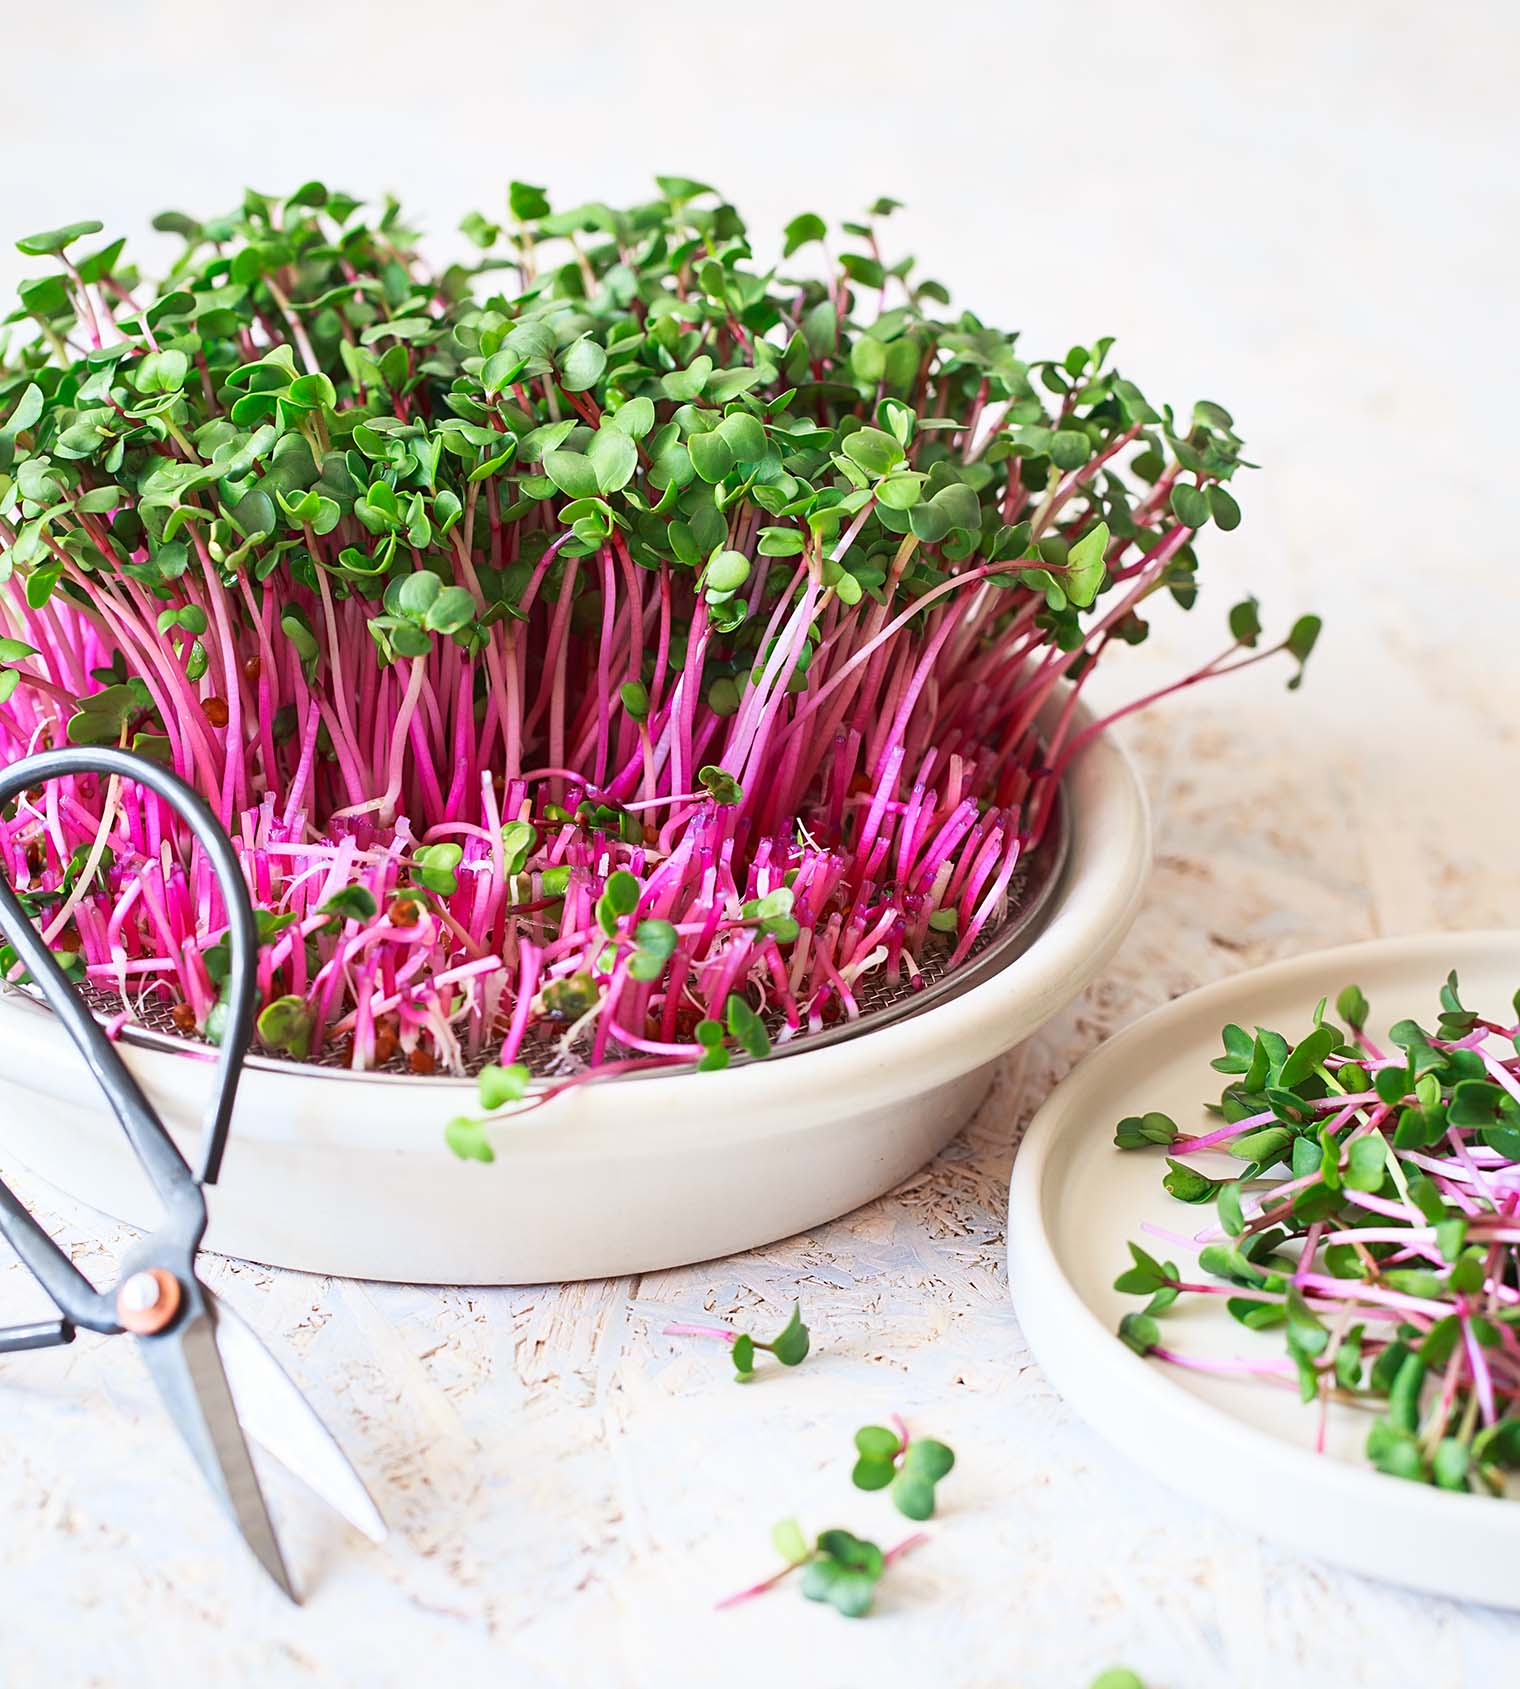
(1370,1225)
(789,1346)
(614,652)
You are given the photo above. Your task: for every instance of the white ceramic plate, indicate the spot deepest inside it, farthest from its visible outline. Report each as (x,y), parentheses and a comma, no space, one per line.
(348,1174)
(1245,1447)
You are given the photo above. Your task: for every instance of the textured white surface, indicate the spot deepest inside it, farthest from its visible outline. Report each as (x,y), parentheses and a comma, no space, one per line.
(1305,211)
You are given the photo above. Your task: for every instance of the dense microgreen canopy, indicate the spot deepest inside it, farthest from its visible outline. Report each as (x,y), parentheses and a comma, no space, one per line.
(1372,1226)
(624,555)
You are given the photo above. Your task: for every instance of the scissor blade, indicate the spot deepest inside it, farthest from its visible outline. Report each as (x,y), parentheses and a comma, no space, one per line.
(188,1372)
(280,1419)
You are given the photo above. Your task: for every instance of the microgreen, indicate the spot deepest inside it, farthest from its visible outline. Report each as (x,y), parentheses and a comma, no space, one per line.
(612,646)
(839,1568)
(907,1468)
(351,903)
(434,867)
(1371,1230)
(789,1346)
(285,1024)
(498,1086)
(844,1571)
(467,1138)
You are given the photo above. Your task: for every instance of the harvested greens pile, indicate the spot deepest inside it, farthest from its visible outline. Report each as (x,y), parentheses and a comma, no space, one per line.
(610,650)
(1374,1226)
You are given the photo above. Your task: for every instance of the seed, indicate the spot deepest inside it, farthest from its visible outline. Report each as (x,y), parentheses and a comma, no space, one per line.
(253,668)
(421,1060)
(216,711)
(386,1041)
(183,1017)
(404,912)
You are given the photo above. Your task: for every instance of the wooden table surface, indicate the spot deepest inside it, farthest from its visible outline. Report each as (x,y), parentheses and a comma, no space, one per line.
(1311,217)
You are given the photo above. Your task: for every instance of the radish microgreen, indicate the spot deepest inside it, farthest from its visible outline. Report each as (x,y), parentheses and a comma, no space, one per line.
(838,1567)
(907,1468)
(626,647)
(789,1346)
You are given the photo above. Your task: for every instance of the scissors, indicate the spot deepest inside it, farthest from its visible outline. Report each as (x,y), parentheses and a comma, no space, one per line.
(216,1378)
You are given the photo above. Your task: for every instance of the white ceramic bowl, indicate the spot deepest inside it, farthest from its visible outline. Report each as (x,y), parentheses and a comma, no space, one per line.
(341,1173)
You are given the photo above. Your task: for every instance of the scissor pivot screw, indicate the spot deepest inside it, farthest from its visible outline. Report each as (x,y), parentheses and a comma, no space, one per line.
(148,1301)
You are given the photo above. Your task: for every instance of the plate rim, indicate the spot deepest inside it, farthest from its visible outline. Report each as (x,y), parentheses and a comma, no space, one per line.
(1118,1393)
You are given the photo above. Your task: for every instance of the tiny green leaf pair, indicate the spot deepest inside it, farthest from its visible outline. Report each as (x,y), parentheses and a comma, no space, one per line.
(789,1346)
(908,1469)
(286,1024)
(838,1568)
(844,1571)
(435,868)
(497,1087)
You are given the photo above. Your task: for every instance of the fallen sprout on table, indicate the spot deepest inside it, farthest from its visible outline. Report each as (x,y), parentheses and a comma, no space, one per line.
(908,1468)
(840,1568)
(616,650)
(843,1569)
(1375,1224)
(789,1345)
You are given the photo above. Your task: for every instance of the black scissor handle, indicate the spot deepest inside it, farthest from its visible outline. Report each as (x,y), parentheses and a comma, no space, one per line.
(177,1186)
